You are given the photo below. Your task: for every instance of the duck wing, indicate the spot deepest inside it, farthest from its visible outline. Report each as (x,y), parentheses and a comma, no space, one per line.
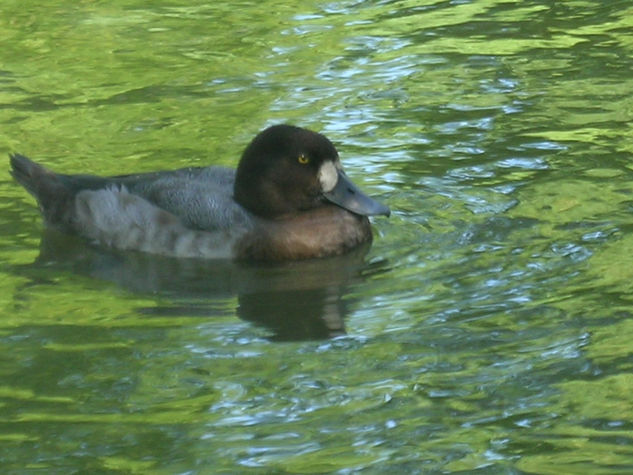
(201,197)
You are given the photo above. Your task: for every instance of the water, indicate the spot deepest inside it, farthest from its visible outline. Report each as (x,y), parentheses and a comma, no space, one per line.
(487,328)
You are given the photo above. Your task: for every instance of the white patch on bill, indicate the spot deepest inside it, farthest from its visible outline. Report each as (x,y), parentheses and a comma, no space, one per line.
(328,176)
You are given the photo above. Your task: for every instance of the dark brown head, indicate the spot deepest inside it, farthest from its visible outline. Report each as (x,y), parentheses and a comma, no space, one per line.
(287,169)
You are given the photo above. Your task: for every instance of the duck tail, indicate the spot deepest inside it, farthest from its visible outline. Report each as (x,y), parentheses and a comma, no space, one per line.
(54,198)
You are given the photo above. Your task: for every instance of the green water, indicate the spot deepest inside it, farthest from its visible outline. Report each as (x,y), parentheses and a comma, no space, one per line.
(486,330)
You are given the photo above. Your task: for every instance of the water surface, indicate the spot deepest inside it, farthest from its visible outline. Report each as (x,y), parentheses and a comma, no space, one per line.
(487,328)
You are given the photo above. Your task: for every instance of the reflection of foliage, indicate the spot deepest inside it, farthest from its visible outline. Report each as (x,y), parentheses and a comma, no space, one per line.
(491,329)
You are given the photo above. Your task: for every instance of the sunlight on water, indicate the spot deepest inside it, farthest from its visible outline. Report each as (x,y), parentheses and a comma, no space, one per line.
(486,329)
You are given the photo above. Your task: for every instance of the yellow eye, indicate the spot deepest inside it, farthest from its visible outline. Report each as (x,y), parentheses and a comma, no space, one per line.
(302,159)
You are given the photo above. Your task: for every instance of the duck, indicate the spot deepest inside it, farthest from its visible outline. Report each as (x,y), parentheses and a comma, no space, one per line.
(288,199)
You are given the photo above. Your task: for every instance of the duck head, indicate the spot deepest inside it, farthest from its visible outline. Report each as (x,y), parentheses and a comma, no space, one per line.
(286,170)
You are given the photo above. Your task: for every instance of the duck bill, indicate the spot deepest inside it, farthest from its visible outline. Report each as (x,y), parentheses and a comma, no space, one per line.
(348,196)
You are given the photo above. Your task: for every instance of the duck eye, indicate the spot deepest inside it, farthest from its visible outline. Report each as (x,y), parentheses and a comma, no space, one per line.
(302,159)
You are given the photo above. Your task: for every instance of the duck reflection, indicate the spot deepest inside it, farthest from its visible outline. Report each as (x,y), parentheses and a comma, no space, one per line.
(295,300)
